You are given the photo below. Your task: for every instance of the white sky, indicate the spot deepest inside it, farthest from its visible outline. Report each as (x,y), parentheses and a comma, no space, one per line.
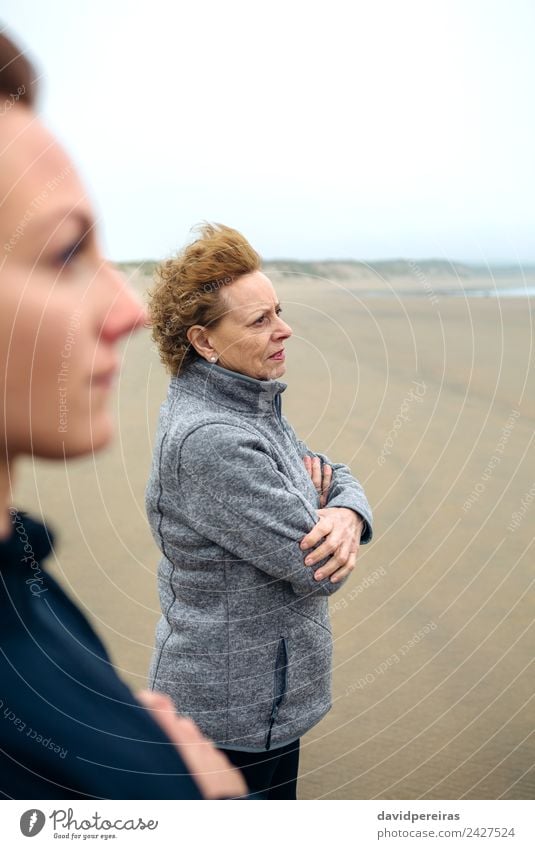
(367,130)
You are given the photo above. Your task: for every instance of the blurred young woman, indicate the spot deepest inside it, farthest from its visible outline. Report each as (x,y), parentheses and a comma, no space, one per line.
(69,727)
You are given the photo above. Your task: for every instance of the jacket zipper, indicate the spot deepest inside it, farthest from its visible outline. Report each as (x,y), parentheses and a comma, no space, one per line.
(281,674)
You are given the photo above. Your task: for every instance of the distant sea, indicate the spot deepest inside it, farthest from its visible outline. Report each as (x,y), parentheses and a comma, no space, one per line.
(505,292)
(510,292)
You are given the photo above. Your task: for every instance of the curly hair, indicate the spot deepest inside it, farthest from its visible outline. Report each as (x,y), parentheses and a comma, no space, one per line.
(188,288)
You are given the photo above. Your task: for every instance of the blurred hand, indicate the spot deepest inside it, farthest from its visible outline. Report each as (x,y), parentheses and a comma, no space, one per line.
(321,482)
(211,770)
(341,529)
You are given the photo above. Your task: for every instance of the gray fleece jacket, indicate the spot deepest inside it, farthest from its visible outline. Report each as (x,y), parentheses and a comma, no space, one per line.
(244,643)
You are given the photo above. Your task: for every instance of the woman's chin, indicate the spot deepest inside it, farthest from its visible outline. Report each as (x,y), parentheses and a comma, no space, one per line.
(78,442)
(276,370)
(100,435)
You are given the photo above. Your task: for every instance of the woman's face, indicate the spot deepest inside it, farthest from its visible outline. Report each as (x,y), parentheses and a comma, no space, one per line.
(63,308)
(252,330)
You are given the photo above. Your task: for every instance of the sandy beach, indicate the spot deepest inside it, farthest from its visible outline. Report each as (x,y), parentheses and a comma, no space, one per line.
(431,401)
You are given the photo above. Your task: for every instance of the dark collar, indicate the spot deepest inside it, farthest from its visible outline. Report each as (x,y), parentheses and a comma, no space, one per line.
(29,543)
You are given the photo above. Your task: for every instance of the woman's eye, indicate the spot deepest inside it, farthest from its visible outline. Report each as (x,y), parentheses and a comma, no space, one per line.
(262,317)
(66,256)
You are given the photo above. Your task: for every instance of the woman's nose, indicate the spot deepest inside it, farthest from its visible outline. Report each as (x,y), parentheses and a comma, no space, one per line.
(284,329)
(126,313)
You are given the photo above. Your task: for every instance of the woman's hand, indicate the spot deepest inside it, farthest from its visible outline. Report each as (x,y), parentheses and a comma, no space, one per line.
(341,529)
(322,483)
(213,773)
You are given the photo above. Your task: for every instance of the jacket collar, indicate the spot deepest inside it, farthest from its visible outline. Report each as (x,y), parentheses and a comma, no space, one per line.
(231,389)
(28,544)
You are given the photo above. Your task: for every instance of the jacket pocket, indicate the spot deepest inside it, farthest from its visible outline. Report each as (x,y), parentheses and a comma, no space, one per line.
(279,686)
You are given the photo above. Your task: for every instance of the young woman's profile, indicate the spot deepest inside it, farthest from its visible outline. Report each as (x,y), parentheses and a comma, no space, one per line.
(69,727)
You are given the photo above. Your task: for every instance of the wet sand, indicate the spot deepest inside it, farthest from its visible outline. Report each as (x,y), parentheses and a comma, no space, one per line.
(431,401)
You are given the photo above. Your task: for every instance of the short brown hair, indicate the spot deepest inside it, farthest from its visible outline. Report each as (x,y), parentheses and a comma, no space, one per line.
(188,289)
(17,74)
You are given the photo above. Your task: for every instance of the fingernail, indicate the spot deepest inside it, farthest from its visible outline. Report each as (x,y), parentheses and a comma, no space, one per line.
(319,576)
(308,561)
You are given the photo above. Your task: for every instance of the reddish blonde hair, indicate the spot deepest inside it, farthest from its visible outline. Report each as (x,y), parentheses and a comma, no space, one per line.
(188,289)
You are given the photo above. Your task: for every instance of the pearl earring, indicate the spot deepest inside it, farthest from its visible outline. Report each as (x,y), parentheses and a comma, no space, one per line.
(213,359)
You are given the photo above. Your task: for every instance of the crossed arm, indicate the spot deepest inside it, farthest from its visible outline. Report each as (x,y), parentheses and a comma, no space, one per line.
(232,492)
(345,519)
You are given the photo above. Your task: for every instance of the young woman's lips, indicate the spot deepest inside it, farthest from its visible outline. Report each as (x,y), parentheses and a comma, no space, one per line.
(104,379)
(280,355)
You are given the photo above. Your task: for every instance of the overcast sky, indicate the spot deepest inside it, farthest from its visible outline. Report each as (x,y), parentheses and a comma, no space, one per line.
(366,130)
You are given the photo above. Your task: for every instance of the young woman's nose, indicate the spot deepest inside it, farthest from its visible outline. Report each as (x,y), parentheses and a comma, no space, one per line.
(126,312)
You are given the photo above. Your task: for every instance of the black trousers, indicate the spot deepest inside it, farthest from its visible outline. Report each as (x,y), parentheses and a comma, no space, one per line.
(269,775)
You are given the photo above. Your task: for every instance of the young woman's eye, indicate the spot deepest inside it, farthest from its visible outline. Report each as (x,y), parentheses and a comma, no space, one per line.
(66,256)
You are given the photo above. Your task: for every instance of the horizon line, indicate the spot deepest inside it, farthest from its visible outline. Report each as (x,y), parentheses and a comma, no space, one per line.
(508,264)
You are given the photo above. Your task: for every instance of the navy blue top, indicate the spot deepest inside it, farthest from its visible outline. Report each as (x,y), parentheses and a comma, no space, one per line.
(69,727)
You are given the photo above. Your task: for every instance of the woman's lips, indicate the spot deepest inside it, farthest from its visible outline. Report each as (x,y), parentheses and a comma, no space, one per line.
(104,379)
(280,355)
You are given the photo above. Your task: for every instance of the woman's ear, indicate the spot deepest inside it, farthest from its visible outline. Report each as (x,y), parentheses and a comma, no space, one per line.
(197,337)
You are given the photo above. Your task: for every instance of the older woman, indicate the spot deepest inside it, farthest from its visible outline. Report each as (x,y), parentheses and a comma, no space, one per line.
(69,727)
(244,642)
